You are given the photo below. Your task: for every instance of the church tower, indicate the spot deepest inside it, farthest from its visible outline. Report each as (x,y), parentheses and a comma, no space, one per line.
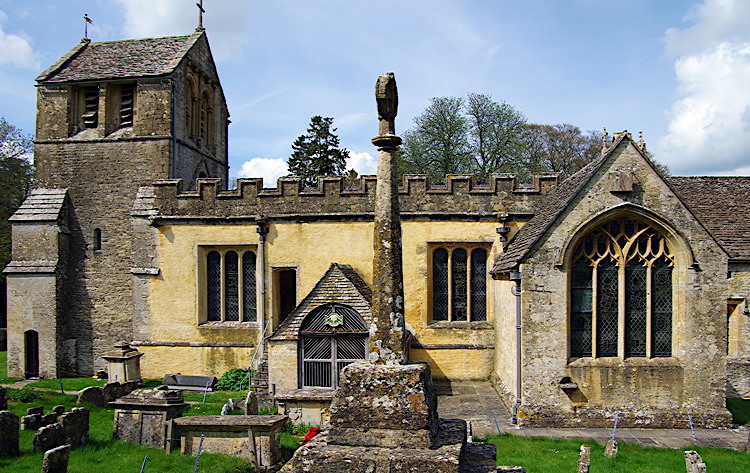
(111,117)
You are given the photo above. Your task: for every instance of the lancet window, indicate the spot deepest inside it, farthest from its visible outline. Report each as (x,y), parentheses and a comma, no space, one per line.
(621,292)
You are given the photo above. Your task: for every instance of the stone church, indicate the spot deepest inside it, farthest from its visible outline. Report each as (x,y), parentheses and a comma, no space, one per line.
(617,289)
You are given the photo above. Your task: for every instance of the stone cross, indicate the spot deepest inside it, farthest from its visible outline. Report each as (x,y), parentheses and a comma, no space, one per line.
(387,335)
(201,11)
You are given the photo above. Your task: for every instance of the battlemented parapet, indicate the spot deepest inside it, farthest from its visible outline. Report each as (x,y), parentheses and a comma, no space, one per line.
(341,198)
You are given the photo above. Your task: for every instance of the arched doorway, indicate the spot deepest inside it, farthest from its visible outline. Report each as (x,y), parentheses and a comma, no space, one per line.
(31,351)
(332,336)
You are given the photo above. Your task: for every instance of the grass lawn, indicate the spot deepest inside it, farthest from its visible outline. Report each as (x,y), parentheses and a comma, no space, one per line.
(4,379)
(539,455)
(102,454)
(68,384)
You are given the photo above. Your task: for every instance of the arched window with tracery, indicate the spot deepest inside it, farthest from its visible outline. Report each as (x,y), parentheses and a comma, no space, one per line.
(331,337)
(621,292)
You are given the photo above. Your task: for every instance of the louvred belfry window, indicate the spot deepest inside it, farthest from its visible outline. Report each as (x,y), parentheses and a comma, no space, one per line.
(621,279)
(331,337)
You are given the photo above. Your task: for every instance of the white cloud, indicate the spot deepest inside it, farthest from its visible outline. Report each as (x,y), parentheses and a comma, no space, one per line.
(270,169)
(364,163)
(225,22)
(709,123)
(15,49)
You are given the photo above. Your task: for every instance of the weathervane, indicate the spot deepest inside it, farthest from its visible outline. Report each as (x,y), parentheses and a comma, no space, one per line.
(201,11)
(86,22)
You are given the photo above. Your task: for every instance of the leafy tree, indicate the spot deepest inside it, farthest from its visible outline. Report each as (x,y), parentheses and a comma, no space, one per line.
(496,134)
(15,179)
(562,148)
(438,144)
(317,152)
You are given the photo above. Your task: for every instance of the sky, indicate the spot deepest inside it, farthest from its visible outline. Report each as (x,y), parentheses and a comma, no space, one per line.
(677,70)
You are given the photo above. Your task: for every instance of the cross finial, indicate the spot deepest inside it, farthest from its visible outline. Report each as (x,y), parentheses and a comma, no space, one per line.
(201,11)
(386,95)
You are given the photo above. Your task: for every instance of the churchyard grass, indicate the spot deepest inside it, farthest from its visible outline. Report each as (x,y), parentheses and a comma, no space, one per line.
(740,409)
(540,455)
(104,455)
(4,379)
(69,384)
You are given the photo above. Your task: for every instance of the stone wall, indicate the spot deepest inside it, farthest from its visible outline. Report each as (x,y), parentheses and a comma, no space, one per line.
(656,391)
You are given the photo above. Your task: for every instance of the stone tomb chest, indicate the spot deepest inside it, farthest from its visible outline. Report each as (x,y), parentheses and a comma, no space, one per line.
(141,417)
(256,439)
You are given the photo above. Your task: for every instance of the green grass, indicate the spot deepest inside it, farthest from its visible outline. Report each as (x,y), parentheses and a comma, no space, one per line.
(740,409)
(69,384)
(540,455)
(4,379)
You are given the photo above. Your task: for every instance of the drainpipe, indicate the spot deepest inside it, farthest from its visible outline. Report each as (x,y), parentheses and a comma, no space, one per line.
(515,276)
(262,232)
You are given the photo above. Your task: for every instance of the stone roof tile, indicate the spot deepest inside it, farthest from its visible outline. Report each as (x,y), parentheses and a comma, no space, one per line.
(42,205)
(722,204)
(120,59)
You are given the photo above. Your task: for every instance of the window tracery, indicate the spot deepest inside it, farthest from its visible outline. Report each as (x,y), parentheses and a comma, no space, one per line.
(621,292)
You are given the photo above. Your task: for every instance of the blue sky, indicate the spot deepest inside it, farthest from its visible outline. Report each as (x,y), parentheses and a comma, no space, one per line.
(677,70)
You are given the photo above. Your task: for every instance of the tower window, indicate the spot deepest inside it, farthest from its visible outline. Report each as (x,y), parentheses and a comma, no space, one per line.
(97,239)
(90,115)
(127,103)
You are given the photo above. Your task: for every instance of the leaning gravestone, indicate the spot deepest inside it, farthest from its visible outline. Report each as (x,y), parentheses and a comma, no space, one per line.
(584,459)
(251,404)
(694,462)
(49,437)
(56,460)
(610,451)
(8,433)
(76,426)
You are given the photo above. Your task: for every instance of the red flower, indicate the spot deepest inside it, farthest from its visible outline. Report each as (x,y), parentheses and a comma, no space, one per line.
(310,434)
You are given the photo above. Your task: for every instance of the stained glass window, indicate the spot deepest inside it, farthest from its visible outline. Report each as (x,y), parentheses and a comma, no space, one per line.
(213,286)
(249,304)
(459,284)
(479,284)
(440,284)
(580,310)
(621,255)
(230,286)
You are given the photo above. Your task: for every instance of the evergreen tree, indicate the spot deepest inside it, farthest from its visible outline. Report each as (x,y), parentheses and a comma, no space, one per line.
(317,152)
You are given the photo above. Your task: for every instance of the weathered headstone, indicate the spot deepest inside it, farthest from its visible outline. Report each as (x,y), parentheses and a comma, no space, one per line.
(59,410)
(56,460)
(251,404)
(112,391)
(694,462)
(39,410)
(49,437)
(584,459)
(610,451)
(31,422)
(76,426)
(8,433)
(93,395)
(3,399)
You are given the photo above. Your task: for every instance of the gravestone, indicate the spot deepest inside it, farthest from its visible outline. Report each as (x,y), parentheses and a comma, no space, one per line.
(584,459)
(39,410)
(8,433)
(76,426)
(31,422)
(59,410)
(3,399)
(123,363)
(610,451)
(92,395)
(49,437)
(56,460)
(694,462)
(251,404)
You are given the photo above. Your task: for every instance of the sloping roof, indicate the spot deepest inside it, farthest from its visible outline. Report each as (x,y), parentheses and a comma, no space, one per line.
(722,204)
(340,284)
(119,59)
(548,211)
(42,205)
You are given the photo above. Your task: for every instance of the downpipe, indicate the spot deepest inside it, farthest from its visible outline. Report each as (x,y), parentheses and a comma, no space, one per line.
(515,276)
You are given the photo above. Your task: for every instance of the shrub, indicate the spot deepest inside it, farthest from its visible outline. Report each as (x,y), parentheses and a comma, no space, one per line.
(24,395)
(235,379)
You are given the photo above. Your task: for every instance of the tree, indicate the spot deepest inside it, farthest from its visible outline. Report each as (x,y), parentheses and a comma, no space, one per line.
(496,135)
(438,144)
(560,148)
(317,152)
(15,179)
